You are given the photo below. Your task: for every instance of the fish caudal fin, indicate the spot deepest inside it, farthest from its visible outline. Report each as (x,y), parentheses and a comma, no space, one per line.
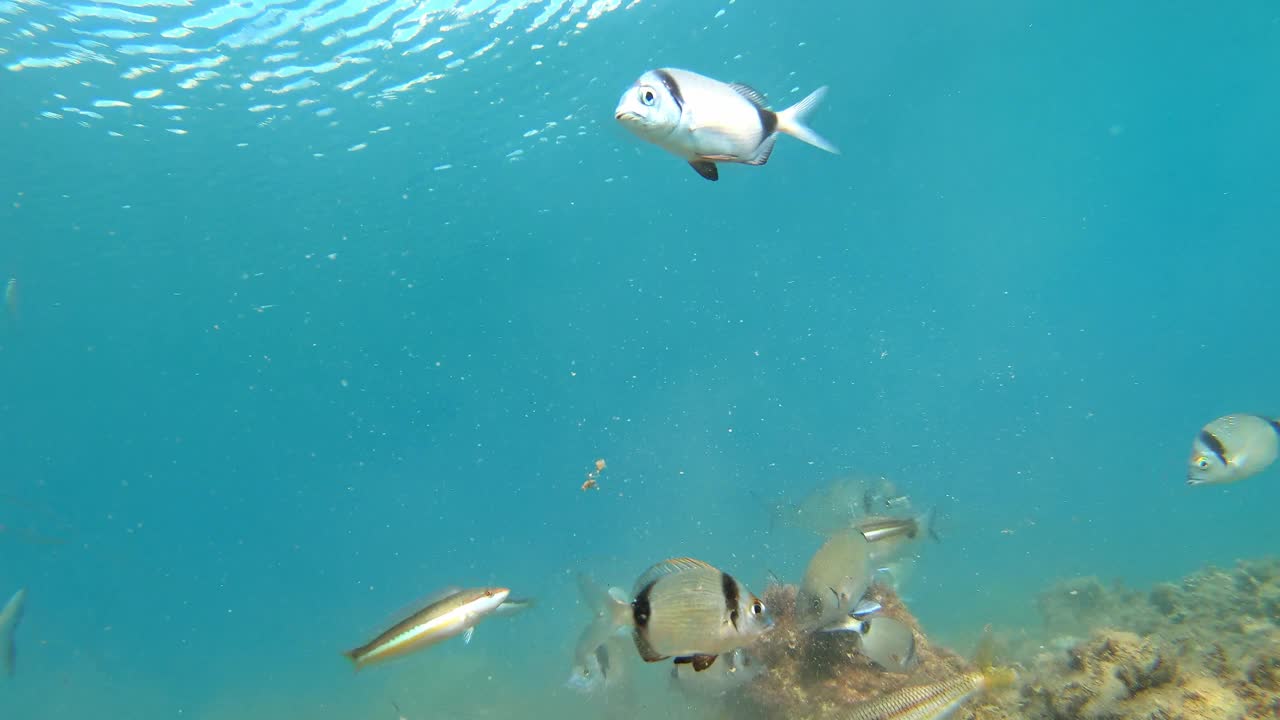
(9,618)
(610,614)
(354,657)
(791,121)
(928,523)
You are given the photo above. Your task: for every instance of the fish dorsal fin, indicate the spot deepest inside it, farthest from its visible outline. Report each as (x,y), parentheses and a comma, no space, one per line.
(669,566)
(755,96)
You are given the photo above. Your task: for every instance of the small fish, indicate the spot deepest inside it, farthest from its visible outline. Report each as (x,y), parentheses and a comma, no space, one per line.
(849,623)
(705,121)
(866,607)
(513,606)
(890,536)
(837,578)
(455,614)
(935,701)
(834,506)
(896,502)
(1233,448)
(9,618)
(610,615)
(889,643)
(733,670)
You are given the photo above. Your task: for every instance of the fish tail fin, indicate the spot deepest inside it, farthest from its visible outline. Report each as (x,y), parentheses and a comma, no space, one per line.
(9,618)
(610,611)
(354,657)
(792,121)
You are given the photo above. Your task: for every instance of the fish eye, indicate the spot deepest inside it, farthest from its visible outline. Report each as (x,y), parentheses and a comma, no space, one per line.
(647,96)
(1203,463)
(757,607)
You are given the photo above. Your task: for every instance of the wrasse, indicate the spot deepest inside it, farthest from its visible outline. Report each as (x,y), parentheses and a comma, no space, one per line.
(455,614)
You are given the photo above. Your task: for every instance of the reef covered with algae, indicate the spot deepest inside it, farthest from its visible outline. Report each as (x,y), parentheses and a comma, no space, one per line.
(1206,648)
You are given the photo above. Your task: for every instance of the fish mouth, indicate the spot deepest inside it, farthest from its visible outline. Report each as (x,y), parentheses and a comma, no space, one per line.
(626,116)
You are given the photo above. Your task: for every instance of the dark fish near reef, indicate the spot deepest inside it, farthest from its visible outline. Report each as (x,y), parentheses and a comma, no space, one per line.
(705,121)
(1233,448)
(455,614)
(9,618)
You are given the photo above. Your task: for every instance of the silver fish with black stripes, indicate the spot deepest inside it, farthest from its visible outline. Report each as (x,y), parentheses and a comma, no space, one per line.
(705,121)
(689,610)
(1232,448)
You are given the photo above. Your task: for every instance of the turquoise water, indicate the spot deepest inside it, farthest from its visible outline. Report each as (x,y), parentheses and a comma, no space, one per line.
(273,377)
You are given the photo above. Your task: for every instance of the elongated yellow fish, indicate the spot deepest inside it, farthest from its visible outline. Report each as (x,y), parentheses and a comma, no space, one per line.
(454,614)
(934,701)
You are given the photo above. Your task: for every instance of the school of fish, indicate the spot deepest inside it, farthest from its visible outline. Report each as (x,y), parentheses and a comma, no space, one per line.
(686,610)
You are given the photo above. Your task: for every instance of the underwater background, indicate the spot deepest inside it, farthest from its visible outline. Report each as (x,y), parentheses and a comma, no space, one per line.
(291,349)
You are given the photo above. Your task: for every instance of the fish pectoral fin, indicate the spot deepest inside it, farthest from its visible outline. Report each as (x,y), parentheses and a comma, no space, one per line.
(466,636)
(702,662)
(706,169)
